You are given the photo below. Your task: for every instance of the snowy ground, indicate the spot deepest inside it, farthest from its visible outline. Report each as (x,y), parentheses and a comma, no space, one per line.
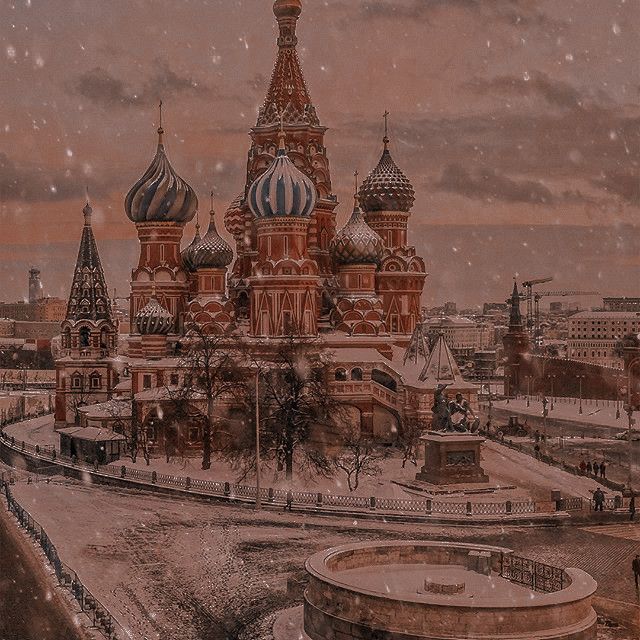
(185,570)
(505,467)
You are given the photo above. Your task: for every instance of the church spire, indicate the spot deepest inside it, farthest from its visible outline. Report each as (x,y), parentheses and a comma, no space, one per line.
(287,94)
(515,317)
(89,298)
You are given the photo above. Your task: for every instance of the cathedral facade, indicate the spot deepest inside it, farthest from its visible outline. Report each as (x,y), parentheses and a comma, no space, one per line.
(357,290)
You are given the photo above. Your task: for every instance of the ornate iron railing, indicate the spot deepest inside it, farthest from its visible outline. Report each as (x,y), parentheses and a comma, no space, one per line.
(97,613)
(535,575)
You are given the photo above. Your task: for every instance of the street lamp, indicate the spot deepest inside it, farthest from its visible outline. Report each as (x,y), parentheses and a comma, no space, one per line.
(580,378)
(508,387)
(618,376)
(528,391)
(551,377)
(629,410)
(544,420)
(258,496)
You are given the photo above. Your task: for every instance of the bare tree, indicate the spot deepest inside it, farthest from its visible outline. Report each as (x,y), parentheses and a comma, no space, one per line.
(409,438)
(359,456)
(294,399)
(211,373)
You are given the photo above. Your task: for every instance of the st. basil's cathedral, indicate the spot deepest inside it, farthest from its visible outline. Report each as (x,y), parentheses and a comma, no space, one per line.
(357,289)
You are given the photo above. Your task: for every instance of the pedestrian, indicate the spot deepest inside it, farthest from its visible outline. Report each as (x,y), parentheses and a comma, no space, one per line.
(632,507)
(583,466)
(537,450)
(536,435)
(603,470)
(598,499)
(589,468)
(635,566)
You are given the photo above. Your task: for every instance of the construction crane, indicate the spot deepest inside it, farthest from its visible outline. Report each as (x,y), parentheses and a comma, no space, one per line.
(528,296)
(537,334)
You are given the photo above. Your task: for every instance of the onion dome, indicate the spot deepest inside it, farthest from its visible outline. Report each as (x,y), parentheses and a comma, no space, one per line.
(187,253)
(386,188)
(287,8)
(282,190)
(153,319)
(357,242)
(213,251)
(234,217)
(161,195)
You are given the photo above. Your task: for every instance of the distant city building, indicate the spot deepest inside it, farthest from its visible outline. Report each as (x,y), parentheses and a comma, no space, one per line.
(42,310)
(486,362)
(594,335)
(450,309)
(35,285)
(492,308)
(621,304)
(556,307)
(463,336)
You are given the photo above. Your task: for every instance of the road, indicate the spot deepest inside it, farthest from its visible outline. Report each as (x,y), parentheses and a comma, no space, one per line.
(30,606)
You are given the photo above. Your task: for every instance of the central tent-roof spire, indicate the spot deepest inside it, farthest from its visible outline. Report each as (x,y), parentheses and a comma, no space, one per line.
(287,92)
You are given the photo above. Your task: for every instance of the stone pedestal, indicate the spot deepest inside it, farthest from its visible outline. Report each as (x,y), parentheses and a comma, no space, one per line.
(451,458)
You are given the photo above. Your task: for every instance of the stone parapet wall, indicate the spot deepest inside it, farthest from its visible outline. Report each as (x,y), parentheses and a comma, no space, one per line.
(335,608)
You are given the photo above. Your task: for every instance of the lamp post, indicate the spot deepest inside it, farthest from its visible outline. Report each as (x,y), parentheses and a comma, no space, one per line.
(258,496)
(508,387)
(551,378)
(528,391)
(618,396)
(629,410)
(544,421)
(580,377)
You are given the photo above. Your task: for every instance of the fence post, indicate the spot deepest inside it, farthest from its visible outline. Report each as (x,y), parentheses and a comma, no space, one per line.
(318,499)
(372,503)
(508,506)
(123,471)
(469,508)
(429,506)
(37,448)
(227,489)
(187,483)
(154,477)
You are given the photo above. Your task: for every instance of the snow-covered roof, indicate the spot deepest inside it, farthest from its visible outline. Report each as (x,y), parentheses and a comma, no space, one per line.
(91,433)
(111,409)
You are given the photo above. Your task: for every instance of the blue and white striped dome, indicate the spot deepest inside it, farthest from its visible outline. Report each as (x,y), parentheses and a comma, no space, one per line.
(282,190)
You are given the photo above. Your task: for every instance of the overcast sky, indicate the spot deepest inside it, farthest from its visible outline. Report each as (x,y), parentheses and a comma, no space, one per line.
(503,113)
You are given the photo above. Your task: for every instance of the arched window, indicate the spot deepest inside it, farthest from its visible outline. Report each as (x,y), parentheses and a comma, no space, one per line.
(66,341)
(76,380)
(356,374)
(103,338)
(85,336)
(95,380)
(341,375)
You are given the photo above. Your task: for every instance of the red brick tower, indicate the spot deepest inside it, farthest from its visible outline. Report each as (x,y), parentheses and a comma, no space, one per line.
(516,347)
(386,197)
(160,204)
(287,99)
(284,285)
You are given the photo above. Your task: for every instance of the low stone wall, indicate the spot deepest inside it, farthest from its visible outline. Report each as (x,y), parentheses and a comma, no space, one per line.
(335,608)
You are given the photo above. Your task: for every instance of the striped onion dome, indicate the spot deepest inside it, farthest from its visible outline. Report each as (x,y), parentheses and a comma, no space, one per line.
(153,319)
(234,217)
(386,188)
(282,190)
(161,195)
(213,251)
(357,242)
(187,253)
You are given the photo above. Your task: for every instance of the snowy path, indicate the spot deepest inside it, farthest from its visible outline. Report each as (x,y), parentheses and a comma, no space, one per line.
(185,570)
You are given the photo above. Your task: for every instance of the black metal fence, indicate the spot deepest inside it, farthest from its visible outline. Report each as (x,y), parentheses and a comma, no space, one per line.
(535,575)
(97,613)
